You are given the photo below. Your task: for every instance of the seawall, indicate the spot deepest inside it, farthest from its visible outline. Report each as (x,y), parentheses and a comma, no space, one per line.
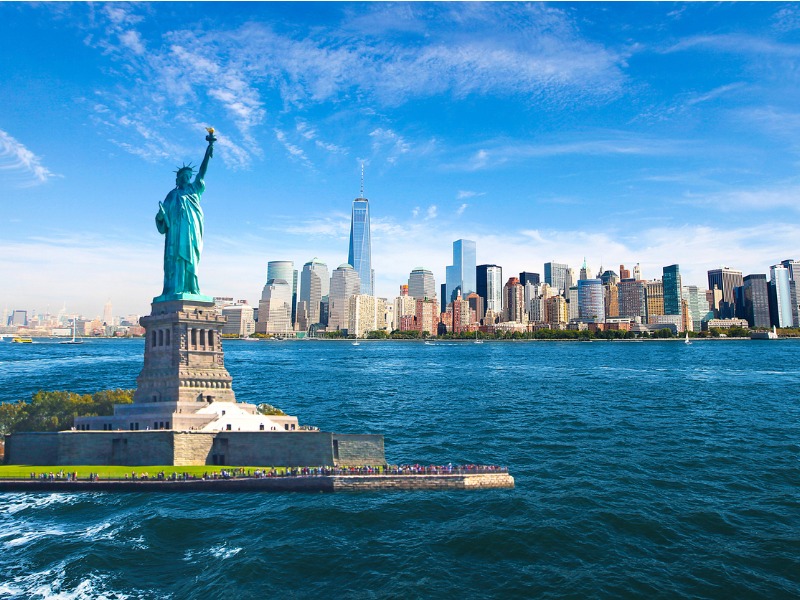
(323,483)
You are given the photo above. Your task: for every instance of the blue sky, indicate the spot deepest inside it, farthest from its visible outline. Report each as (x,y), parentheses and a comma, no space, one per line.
(620,132)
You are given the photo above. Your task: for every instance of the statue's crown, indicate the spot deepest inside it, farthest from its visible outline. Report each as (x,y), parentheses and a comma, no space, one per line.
(185,167)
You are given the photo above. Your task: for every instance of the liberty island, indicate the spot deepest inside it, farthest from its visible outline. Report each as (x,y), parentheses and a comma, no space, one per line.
(184,410)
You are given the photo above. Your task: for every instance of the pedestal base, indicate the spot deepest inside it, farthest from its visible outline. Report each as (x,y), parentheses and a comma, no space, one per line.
(181,297)
(183,359)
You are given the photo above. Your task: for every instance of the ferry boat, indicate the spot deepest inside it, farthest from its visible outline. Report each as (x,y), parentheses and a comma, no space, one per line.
(21,339)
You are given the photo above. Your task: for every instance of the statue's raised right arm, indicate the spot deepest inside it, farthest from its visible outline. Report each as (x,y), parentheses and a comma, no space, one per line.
(201,172)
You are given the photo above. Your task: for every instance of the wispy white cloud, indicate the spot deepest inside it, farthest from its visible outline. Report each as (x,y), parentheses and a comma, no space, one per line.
(715,93)
(295,151)
(479,160)
(787,18)
(737,43)
(782,197)
(494,154)
(508,50)
(335,226)
(19,164)
(310,133)
(779,122)
(460,210)
(475,49)
(432,212)
(133,41)
(389,144)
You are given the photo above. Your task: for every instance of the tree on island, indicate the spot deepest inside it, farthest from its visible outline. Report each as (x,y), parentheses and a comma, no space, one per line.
(56,411)
(268,409)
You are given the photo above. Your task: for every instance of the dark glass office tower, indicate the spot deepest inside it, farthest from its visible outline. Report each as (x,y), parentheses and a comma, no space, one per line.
(671,278)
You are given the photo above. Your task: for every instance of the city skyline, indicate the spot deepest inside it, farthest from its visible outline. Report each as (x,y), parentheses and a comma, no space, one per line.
(626,133)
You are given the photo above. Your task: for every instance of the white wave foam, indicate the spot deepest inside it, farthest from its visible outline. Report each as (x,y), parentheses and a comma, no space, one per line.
(223,552)
(220,551)
(30,536)
(49,585)
(19,502)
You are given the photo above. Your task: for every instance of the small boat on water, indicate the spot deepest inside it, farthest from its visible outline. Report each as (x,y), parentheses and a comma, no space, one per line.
(686,340)
(21,339)
(74,340)
(356,344)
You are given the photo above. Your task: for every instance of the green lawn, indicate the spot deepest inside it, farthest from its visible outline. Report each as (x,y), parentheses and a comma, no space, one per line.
(117,472)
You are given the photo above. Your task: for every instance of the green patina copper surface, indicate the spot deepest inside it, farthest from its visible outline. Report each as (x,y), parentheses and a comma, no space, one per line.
(180,219)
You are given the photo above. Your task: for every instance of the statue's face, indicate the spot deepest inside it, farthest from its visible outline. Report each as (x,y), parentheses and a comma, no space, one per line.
(183,178)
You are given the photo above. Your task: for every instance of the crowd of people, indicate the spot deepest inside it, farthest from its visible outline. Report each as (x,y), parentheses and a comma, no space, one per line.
(325,471)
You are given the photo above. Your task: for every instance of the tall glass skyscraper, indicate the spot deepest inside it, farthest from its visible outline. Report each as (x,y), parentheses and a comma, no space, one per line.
(555,275)
(726,280)
(794,284)
(284,269)
(360,253)
(489,286)
(780,296)
(698,305)
(314,286)
(756,300)
(671,278)
(591,306)
(461,274)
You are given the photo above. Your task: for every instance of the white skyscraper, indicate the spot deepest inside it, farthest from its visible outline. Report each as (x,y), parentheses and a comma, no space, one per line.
(363,315)
(108,313)
(240,320)
(284,269)
(275,308)
(780,296)
(314,286)
(344,284)
(421,284)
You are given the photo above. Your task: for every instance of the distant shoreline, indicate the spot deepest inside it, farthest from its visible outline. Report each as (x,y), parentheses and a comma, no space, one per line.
(430,340)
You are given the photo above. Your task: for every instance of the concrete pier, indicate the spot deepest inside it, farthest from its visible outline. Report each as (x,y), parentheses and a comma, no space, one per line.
(321,483)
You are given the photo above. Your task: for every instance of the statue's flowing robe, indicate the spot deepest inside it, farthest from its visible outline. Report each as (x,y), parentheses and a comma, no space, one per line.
(180,219)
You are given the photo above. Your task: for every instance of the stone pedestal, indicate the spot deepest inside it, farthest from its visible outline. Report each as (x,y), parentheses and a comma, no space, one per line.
(183,359)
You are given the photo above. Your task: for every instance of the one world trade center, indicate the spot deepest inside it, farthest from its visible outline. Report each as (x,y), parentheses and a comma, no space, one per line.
(360,254)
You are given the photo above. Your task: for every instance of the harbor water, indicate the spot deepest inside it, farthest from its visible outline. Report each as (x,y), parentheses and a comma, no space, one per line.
(643,470)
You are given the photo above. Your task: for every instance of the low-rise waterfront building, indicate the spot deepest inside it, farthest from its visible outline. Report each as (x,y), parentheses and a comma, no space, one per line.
(723,323)
(240,320)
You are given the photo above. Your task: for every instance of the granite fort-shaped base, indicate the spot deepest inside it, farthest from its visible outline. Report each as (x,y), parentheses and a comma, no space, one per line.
(183,358)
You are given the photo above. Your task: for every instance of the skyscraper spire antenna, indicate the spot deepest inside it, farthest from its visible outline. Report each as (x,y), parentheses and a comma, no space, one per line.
(362,180)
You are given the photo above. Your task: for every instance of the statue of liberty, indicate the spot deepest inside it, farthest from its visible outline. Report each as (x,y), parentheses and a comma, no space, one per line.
(180,219)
